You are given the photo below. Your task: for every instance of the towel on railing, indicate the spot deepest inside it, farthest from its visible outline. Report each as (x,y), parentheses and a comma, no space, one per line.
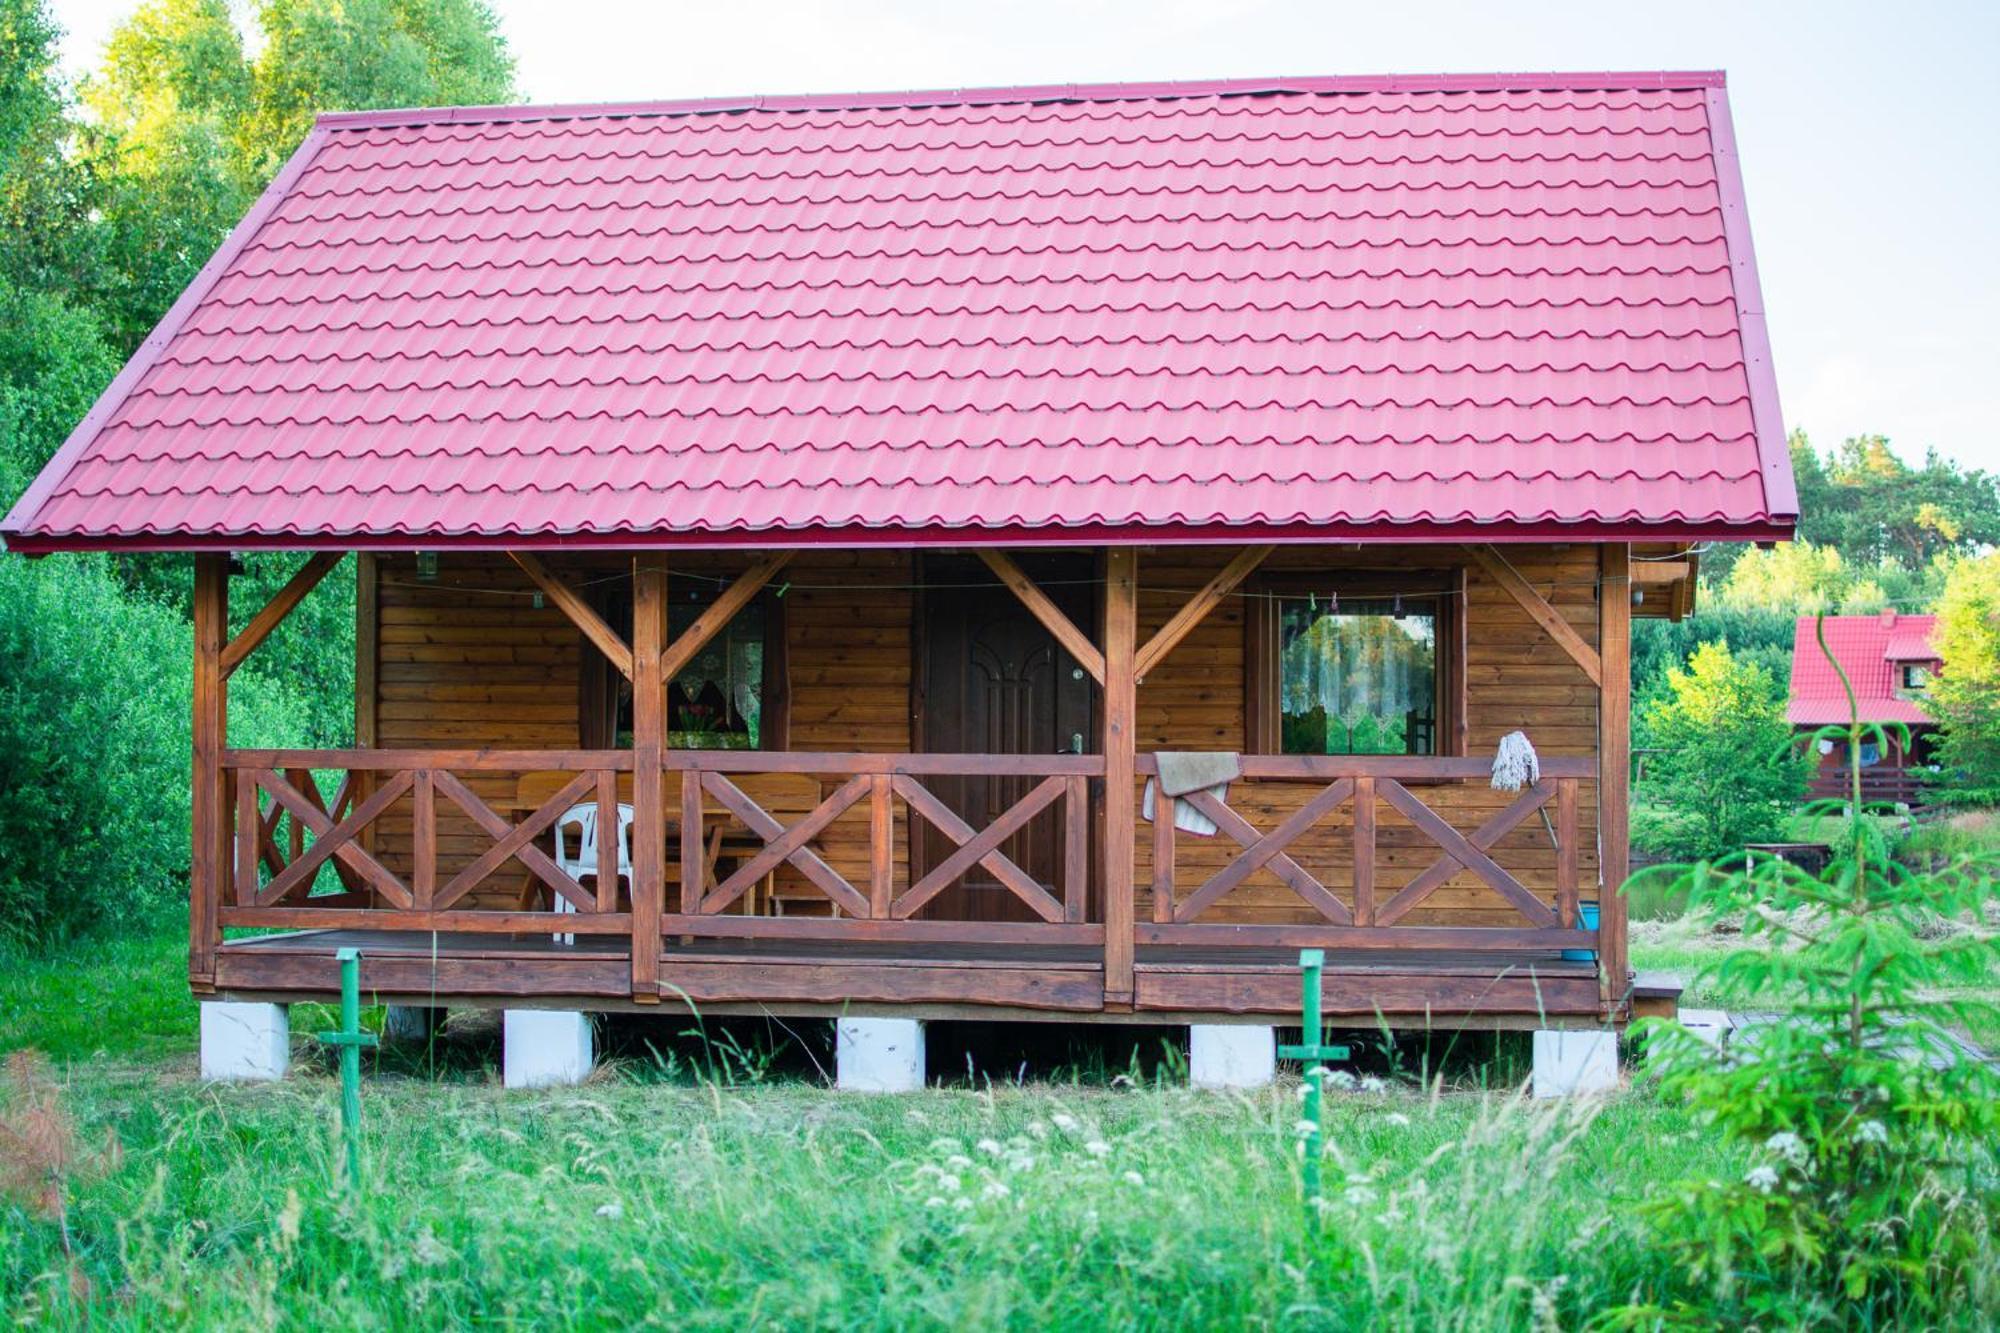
(1184,771)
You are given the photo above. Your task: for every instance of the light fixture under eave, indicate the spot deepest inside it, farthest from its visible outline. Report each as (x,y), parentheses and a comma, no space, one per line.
(427,566)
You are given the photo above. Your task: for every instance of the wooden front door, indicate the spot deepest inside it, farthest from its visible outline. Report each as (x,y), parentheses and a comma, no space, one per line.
(994,681)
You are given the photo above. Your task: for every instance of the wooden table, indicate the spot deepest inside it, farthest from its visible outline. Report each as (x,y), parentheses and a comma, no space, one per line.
(784,796)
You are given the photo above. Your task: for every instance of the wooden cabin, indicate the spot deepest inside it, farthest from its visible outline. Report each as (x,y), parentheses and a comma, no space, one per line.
(1889,660)
(877,507)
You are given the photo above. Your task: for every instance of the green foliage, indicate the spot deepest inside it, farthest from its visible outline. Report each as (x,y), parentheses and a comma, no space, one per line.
(95,724)
(103,221)
(1756,635)
(1725,774)
(1873,1197)
(54,360)
(1873,507)
(188,128)
(358,55)
(45,195)
(1966,694)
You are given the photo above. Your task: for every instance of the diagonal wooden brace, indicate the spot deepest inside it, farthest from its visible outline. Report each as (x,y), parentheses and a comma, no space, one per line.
(787,845)
(981,847)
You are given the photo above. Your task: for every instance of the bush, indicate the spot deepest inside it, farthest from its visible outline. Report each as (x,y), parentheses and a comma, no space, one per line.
(95,727)
(1726,773)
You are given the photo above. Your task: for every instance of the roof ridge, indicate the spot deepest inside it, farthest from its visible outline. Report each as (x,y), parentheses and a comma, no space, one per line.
(1544,81)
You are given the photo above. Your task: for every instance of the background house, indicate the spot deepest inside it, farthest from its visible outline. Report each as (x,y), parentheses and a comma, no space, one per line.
(1889,661)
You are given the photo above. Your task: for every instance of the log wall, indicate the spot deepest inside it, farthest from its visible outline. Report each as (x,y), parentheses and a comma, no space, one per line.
(468,660)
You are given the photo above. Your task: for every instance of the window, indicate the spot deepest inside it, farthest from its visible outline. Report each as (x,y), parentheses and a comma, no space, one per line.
(730,697)
(1357,667)
(1915,677)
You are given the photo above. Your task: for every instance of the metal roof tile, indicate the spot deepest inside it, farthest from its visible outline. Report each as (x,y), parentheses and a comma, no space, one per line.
(1509,306)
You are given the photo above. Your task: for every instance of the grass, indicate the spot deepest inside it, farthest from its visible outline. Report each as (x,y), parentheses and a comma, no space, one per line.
(117,999)
(717,1186)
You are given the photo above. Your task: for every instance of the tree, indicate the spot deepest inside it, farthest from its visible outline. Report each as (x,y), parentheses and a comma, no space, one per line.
(1793,578)
(1726,773)
(1866,502)
(188,129)
(358,55)
(166,106)
(46,194)
(1966,694)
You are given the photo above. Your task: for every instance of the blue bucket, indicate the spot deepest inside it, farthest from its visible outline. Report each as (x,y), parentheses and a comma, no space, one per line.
(1586,919)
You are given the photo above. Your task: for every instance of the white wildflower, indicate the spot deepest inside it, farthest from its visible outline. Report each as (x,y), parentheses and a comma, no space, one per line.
(1097,1148)
(1065,1123)
(994,1190)
(613,1210)
(958,1161)
(1305,1128)
(961,1203)
(1787,1145)
(1339,1078)
(1397,1118)
(1871,1131)
(991,1147)
(1762,1179)
(1358,1195)
(947,1182)
(1038,1129)
(428,1251)
(934,1202)
(1134,1178)
(1372,1084)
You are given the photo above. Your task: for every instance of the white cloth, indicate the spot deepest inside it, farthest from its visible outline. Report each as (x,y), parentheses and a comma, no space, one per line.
(1185,771)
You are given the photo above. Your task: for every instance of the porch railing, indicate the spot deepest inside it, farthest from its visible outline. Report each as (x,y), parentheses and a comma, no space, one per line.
(272,887)
(1361,785)
(303,859)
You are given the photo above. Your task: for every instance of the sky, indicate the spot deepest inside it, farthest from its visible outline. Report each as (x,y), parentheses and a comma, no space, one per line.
(1869,132)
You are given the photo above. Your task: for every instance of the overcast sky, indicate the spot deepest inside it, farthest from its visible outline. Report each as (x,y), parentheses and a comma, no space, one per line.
(1870,133)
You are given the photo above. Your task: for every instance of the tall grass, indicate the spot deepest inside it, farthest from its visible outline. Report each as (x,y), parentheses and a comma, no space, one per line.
(783,1205)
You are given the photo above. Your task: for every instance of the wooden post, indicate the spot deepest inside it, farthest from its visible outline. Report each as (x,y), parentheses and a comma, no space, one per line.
(210,851)
(1121,634)
(1614,759)
(1364,851)
(367,677)
(649,738)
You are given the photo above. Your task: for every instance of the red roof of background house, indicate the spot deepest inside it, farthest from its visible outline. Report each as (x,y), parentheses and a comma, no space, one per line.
(1502,306)
(1870,649)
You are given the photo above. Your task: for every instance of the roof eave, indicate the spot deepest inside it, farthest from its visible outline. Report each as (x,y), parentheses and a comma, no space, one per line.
(1781,496)
(1381,533)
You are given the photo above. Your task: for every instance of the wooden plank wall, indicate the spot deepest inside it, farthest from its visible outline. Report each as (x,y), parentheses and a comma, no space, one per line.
(468,660)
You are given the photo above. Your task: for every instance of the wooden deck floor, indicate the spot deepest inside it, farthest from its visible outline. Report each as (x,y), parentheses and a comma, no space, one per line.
(1403,987)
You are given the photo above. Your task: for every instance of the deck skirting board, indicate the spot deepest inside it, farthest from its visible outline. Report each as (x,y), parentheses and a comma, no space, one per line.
(1276,991)
(1432,988)
(1065,988)
(446,978)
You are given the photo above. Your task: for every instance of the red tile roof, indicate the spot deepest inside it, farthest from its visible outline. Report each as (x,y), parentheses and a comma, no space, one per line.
(1503,306)
(1870,649)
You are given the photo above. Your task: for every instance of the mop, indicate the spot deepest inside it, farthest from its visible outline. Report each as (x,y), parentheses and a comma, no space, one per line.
(1515,766)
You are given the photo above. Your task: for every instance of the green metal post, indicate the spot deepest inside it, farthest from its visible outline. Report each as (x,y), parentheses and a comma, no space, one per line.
(350,1039)
(1313,1049)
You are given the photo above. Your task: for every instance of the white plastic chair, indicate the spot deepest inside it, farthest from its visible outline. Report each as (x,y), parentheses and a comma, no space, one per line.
(583,819)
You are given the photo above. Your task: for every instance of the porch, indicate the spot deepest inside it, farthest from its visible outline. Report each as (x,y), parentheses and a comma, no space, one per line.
(828,881)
